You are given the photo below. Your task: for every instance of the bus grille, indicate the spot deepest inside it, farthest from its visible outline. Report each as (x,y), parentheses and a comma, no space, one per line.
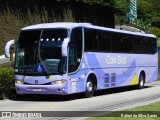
(37,84)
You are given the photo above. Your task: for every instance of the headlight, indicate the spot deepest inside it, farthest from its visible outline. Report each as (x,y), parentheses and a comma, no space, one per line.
(18,81)
(58,82)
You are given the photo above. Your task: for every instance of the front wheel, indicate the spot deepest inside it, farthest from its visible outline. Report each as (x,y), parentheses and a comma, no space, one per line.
(90,88)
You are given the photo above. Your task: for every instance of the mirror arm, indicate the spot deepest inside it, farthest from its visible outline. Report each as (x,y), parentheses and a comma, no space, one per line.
(64,47)
(7,47)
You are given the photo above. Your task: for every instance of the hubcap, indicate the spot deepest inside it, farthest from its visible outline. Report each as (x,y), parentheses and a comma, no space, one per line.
(89,86)
(141,82)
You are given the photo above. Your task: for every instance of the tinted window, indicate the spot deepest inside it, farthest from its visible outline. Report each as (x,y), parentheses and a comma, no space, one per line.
(75,49)
(91,40)
(127,43)
(153,42)
(149,45)
(104,41)
(97,40)
(147,48)
(137,44)
(117,45)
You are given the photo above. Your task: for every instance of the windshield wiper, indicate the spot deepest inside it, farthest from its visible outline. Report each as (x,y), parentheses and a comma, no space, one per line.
(39,56)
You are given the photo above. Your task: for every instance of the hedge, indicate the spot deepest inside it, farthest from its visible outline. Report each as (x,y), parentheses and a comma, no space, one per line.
(7,90)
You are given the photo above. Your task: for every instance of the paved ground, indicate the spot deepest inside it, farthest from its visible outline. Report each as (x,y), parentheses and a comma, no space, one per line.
(103,101)
(4,61)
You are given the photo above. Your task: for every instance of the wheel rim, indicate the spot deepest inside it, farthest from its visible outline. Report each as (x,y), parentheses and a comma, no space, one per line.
(89,86)
(141,82)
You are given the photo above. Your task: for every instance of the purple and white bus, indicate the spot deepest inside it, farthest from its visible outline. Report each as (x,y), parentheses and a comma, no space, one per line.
(66,58)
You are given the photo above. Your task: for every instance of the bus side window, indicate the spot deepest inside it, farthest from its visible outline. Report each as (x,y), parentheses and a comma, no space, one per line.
(154,45)
(104,41)
(138,48)
(127,43)
(117,46)
(91,40)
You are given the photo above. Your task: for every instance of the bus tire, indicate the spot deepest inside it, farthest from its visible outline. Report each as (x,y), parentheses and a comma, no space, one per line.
(90,88)
(141,81)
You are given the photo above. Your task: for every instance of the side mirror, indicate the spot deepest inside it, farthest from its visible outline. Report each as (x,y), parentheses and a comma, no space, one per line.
(64,47)
(7,47)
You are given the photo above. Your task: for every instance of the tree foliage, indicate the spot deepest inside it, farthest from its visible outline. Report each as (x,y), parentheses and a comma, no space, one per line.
(14,14)
(101,2)
(156,32)
(148,10)
(144,9)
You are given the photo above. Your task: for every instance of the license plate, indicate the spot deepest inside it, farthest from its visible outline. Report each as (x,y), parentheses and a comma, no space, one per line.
(37,90)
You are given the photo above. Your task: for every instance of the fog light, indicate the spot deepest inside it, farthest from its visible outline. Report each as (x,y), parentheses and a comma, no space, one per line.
(61,89)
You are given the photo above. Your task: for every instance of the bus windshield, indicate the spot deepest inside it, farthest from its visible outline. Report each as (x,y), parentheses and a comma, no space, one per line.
(39,51)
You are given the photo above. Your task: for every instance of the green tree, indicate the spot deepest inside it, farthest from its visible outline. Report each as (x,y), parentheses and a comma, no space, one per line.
(121,8)
(101,2)
(149,10)
(144,9)
(156,32)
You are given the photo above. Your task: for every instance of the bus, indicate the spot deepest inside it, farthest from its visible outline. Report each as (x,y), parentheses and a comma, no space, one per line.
(67,58)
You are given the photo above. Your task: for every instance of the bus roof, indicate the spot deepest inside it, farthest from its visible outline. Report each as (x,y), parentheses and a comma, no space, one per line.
(56,25)
(71,25)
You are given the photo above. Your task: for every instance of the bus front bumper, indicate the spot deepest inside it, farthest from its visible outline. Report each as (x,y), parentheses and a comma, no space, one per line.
(41,89)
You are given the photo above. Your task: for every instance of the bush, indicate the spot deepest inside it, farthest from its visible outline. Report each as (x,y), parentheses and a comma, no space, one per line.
(7,82)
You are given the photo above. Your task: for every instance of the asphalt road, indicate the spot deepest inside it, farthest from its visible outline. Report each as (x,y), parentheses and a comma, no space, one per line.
(103,101)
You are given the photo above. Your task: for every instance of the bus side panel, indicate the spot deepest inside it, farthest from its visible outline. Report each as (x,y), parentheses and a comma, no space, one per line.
(77,80)
(113,70)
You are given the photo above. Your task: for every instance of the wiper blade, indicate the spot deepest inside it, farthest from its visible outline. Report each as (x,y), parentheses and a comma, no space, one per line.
(44,66)
(39,56)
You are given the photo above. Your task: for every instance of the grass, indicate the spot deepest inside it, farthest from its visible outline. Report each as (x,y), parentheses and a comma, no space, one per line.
(133,114)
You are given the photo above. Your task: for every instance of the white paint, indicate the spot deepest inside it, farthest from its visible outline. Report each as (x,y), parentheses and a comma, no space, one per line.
(74,86)
(82,76)
(64,47)
(83,65)
(116,60)
(74,79)
(7,47)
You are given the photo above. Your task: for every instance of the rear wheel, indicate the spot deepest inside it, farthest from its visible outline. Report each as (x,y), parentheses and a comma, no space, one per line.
(141,81)
(90,88)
